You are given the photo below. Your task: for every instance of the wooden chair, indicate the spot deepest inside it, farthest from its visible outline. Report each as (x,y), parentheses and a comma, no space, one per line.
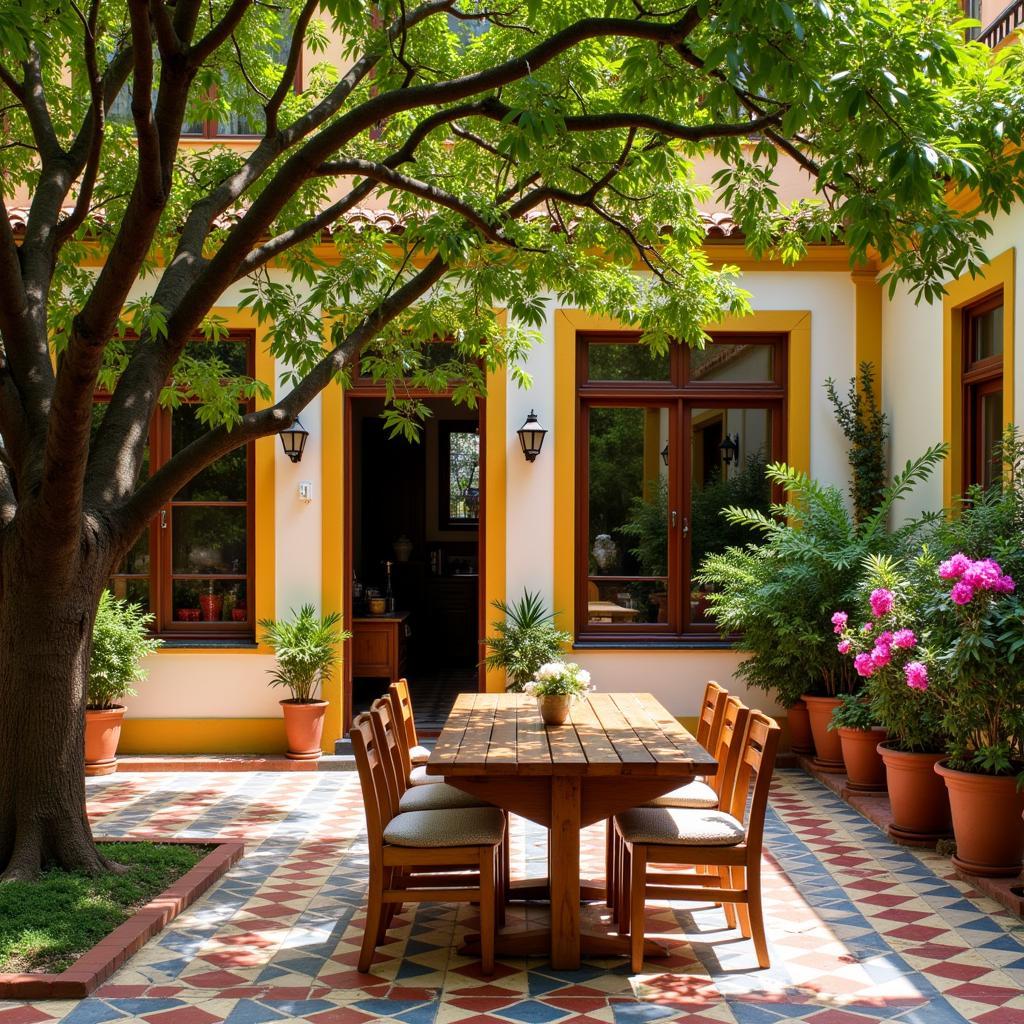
(730,841)
(415,755)
(409,852)
(730,728)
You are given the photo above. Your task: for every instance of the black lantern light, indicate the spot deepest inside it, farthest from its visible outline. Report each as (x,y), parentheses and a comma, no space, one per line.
(293,440)
(730,448)
(531,437)
(664,454)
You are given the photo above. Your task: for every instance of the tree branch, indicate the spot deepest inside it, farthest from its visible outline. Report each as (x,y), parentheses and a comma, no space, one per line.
(287,83)
(219,33)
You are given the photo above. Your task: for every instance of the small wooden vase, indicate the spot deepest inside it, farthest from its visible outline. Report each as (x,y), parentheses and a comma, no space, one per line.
(554,709)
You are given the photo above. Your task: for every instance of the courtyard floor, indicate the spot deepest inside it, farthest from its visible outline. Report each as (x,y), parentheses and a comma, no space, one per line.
(860,930)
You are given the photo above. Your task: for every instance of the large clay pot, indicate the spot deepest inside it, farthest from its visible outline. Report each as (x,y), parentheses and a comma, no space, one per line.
(826,741)
(917,796)
(987,822)
(800,739)
(554,709)
(304,728)
(865,772)
(102,734)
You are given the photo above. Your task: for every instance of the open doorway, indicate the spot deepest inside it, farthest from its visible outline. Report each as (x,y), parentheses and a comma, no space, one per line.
(415,543)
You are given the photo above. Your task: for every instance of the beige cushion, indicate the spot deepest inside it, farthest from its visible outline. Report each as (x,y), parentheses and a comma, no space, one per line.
(419,777)
(472,826)
(437,797)
(666,825)
(419,755)
(698,795)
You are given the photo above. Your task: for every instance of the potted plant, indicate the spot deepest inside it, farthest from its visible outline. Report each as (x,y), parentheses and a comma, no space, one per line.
(860,735)
(891,662)
(120,640)
(523,640)
(306,647)
(556,685)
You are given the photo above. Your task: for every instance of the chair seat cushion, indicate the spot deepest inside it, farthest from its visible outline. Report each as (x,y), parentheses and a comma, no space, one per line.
(470,826)
(419,754)
(438,796)
(680,827)
(697,795)
(419,777)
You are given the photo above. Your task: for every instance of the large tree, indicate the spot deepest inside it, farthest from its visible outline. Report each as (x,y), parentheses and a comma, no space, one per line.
(528,149)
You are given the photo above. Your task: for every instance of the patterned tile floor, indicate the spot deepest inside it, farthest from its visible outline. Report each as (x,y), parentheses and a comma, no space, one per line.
(860,930)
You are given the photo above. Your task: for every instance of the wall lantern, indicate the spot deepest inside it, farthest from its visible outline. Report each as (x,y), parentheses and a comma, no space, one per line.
(293,440)
(664,454)
(531,437)
(730,448)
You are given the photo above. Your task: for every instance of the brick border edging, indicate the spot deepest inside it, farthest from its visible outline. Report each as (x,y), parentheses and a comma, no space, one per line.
(96,965)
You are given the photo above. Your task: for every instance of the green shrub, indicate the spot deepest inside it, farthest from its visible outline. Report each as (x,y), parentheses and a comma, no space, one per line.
(306,647)
(524,639)
(854,712)
(120,640)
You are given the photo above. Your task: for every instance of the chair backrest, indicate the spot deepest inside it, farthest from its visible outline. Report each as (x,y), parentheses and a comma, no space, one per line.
(729,748)
(389,740)
(711,711)
(372,780)
(401,704)
(756,764)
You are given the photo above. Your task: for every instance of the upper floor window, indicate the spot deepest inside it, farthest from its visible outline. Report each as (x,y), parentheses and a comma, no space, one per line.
(665,443)
(982,383)
(193,566)
(459,463)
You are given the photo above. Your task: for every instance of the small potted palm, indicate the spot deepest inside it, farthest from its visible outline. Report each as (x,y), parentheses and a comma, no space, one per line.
(306,648)
(120,640)
(523,640)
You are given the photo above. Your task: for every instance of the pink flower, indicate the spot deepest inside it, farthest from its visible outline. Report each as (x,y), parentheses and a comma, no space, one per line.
(962,592)
(983,575)
(953,568)
(881,655)
(917,675)
(839,621)
(885,639)
(904,638)
(843,647)
(867,627)
(1005,585)
(881,602)
(864,664)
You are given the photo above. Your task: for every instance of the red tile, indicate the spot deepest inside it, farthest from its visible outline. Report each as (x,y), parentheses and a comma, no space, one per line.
(182,1015)
(959,972)
(23,1015)
(995,995)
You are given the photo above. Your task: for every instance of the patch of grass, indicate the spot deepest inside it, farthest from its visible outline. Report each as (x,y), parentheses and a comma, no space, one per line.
(47,924)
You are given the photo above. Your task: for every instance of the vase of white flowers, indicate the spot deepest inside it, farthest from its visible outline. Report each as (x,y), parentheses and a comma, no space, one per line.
(556,685)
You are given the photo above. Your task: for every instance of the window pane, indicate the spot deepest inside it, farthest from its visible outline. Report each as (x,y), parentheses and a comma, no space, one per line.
(134,590)
(463,483)
(233,354)
(733,362)
(991,433)
(729,449)
(225,480)
(209,601)
(630,361)
(986,334)
(628,513)
(209,541)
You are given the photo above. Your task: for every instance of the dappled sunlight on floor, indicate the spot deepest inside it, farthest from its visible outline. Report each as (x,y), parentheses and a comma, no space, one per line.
(860,929)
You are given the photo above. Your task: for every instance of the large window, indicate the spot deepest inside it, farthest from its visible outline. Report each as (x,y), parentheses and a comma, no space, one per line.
(459,465)
(982,390)
(665,443)
(193,566)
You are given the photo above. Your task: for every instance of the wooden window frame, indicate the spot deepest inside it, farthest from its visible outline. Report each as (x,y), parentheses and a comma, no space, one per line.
(681,396)
(979,378)
(445,429)
(161,574)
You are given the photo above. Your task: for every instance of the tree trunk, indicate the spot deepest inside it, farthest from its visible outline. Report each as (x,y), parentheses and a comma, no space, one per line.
(47,609)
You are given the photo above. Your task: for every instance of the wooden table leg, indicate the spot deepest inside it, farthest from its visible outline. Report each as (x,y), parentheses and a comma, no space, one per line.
(565,872)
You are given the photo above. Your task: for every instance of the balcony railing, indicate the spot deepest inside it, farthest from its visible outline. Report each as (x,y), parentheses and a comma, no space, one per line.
(1010,18)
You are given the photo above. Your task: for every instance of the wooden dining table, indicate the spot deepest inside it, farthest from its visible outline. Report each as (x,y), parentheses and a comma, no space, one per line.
(617,750)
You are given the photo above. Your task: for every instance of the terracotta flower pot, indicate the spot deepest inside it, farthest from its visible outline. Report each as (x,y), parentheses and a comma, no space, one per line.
(800,738)
(304,728)
(212,606)
(917,796)
(987,822)
(554,709)
(102,734)
(864,768)
(826,741)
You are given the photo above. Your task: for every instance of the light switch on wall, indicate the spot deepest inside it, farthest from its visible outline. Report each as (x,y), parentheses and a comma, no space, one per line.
(306,491)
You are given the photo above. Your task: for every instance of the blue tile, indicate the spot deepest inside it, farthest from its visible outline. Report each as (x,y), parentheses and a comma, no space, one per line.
(641,1013)
(94,1011)
(298,1007)
(531,1011)
(248,1011)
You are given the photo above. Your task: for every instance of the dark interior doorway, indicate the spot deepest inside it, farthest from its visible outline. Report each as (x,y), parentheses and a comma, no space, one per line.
(415,521)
